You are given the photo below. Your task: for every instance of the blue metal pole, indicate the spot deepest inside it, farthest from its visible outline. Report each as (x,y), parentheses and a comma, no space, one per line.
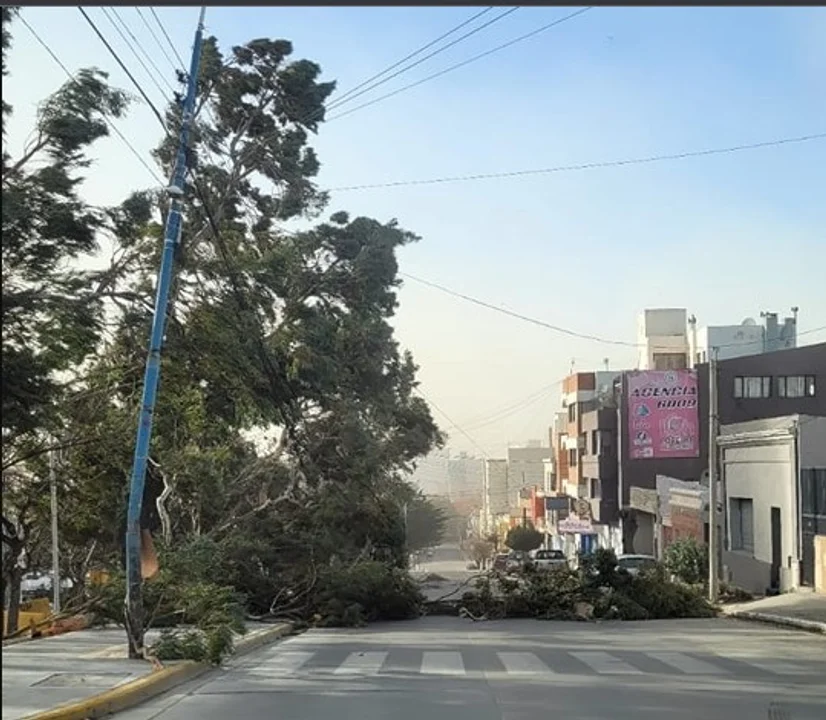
(134,600)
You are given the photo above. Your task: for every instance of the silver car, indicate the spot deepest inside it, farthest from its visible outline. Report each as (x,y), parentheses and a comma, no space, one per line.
(549,559)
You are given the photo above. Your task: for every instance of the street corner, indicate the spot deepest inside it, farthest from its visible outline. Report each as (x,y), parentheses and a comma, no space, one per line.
(125,696)
(263,636)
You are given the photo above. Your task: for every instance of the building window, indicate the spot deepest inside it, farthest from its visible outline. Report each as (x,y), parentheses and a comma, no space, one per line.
(701,357)
(596,489)
(572,455)
(670,361)
(796,386)
(741,512)
(572,412)
(755,386)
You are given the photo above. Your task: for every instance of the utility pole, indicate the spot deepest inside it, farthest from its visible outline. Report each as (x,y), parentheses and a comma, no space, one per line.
(713,536)
(55,544)
(134,599)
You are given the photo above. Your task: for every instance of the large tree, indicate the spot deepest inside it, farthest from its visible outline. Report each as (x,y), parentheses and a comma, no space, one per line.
(287,413)
(52,312)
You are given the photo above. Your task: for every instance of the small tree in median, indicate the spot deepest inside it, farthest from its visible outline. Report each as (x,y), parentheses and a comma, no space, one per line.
(524,539)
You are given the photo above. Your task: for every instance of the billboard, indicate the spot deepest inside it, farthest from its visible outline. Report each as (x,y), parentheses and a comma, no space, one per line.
(663,414)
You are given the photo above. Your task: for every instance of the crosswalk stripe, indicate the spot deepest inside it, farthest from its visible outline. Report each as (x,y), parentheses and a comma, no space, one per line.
(775,667)
(605,663)
(361,663)
(442,663)
(686,663)
(523,663)
(287,662)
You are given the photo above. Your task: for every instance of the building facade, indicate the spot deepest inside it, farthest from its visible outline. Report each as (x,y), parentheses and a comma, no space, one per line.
(767,385)
(774,475)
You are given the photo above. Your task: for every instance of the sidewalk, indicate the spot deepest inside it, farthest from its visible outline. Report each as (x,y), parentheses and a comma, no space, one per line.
(806,611)
(40,675)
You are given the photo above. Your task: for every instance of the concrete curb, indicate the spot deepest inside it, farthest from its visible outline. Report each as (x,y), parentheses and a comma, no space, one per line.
(143,688)
(796,623)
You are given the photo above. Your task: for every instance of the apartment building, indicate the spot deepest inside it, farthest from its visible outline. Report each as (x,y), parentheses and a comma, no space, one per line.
(670,339)
(756,387)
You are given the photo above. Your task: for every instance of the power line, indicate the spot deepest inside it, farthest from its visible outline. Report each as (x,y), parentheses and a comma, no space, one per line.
(123,67)
(463,63)
(142,49)
(557,328)
(352,94)
(447,417)
(587,166)
(168,39)
(156,39)
(71,76)
(519,316)
(414,53)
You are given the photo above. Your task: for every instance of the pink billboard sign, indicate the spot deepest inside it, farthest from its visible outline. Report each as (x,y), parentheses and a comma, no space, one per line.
(663,414)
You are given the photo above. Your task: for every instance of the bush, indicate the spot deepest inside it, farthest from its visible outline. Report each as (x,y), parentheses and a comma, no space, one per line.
(180,595)
(365,592)
(687,560)
(597,589)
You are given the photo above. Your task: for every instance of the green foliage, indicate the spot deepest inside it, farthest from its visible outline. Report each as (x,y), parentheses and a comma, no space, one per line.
(597,589)
(523,539)
(365,592)
(51,313)
(287,334)
(688,560)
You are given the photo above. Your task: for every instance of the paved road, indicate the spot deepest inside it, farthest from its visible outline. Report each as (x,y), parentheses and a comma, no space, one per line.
(442,668)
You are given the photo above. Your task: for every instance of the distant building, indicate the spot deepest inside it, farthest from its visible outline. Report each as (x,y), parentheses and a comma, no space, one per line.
(526,466)
(669,339)
(495,496)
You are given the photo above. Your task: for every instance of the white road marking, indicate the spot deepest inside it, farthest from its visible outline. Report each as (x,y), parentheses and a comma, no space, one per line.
(286,662)
(686,663)
(523,663)
(442,663)
(605,664)
(361,663)
(775,667)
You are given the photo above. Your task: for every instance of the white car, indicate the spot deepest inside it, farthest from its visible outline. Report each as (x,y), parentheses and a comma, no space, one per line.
(549,559)
(635,564)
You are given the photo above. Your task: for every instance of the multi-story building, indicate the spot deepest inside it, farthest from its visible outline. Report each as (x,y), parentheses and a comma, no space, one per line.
(465,477)
(755,387)
(671,340)
(599,467)
(495,494)
(581,393)
(526,466)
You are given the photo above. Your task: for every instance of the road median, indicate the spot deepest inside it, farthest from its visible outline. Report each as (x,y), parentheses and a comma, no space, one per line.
(155,683)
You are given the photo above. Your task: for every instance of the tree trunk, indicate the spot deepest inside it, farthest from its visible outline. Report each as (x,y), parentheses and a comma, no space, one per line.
(15,581)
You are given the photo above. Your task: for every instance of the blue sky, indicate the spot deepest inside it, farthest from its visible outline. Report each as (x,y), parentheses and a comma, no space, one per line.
(725,236)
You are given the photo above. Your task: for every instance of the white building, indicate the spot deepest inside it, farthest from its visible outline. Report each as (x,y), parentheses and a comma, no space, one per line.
(774,475)
(670,340)
(494,491)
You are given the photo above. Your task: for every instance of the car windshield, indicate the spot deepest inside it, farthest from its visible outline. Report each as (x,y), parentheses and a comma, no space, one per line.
(550,555)
(637,562)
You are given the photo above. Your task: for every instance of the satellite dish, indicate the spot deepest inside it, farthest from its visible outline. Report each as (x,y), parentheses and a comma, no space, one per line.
(749,321)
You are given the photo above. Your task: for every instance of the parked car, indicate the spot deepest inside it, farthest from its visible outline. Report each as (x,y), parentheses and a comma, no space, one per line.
(549,559)
(635,564)
(500,562)
(516,561)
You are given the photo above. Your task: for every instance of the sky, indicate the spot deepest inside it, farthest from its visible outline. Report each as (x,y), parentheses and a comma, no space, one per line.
(724,236)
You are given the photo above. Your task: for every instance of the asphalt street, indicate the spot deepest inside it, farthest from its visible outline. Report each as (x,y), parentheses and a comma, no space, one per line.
(443,668)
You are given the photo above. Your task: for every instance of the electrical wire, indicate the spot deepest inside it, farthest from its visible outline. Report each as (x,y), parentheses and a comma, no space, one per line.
(587,166)
(139,45)
(470,60)
(557,328)
(450,32)
(341,101)
(123,67)
(156,38)
(447,417)
(166,35)
(71,76)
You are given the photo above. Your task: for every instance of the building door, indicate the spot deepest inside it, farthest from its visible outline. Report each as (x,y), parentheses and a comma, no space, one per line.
(777,548)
